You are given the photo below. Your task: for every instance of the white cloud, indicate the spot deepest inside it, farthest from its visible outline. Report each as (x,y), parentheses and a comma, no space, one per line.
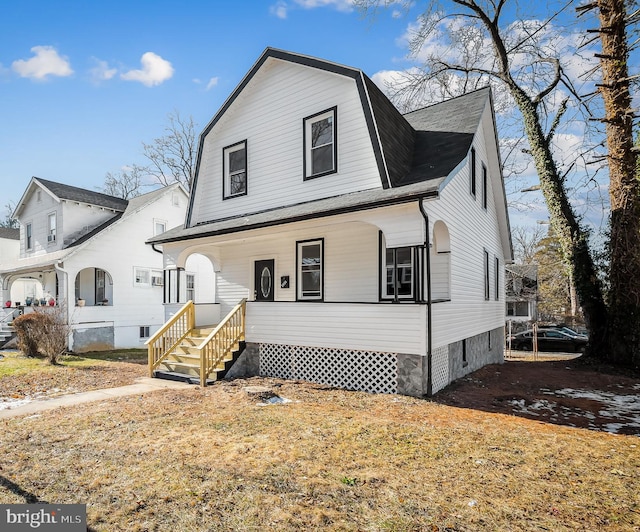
(155,70)
(340,5)
(279,9)
(212,82)
(101,72)
(46,62)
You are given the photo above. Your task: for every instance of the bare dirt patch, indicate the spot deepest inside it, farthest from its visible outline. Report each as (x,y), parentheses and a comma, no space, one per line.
(556,389)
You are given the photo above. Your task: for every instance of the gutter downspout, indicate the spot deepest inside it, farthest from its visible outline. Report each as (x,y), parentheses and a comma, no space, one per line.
(427,248)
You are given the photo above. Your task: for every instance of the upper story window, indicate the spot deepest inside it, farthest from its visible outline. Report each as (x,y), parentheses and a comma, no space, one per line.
(51,225)
(485,187)
(320,147)
(28,236)
(235,170)
(472,171)
(310,270)
(159,227)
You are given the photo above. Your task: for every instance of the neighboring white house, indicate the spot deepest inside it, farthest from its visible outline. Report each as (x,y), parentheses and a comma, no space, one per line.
(521,289)
(370,245)
(86,253)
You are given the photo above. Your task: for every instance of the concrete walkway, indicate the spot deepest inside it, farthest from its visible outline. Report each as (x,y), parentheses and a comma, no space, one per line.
(142,385)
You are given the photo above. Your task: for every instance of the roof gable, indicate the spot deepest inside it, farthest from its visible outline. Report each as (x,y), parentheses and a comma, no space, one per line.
(62,192)
(391,136)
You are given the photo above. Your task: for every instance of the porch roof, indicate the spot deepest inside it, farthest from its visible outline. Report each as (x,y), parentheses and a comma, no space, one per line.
(355,201)
(33,264)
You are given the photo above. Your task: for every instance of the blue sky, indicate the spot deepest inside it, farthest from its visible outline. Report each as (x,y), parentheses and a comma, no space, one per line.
(83,84)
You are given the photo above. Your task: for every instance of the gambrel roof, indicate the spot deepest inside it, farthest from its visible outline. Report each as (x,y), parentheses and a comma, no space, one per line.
(415,153)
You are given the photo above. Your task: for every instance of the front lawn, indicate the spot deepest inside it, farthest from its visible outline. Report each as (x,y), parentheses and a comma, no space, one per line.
(221,459)
(22,376)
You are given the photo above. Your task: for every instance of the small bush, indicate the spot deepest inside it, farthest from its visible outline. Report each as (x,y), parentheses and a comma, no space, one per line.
(28,327)
(43,332)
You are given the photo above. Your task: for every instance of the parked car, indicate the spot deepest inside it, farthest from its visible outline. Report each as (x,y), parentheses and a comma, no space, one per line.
(549,340)
(567,330)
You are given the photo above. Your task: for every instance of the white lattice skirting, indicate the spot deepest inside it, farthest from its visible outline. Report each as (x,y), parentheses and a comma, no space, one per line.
(366,371)
(440,365)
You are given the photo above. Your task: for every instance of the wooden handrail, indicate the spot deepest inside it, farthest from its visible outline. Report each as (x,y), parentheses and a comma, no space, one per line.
(221,340)
(170,335)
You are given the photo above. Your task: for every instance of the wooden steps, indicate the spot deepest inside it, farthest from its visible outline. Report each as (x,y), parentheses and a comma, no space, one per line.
(183,362)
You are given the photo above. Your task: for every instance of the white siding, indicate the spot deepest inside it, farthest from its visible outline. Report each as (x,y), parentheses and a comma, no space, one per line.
(117,250)
(350,264)
(269,114)
(386,328)
(472,229)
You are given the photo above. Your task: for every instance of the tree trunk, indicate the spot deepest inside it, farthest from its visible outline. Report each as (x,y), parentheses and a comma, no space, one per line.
(573,238)
(624,189)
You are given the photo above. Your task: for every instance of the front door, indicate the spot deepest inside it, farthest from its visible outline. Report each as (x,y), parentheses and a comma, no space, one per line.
(264,280)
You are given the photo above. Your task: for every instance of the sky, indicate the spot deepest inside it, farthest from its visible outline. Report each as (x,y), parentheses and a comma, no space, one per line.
(84,83)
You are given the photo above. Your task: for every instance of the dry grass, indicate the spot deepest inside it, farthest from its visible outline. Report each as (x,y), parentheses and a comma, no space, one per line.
(214,459)
(22,376)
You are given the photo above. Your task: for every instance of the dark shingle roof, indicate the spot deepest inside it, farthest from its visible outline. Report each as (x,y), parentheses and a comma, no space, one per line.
(444,133)
(9,233)
(70,193)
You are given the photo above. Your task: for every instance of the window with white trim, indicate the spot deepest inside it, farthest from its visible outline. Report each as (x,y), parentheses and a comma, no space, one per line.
(235,170)
(141,276)
(144,331)
(310,259)
(191,287)
(397,272)
(159,227)
(320,147)
(28,236)
(51,225)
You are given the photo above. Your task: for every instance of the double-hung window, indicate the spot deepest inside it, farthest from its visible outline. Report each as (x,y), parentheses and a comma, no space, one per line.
(398,276)
(28,230)
(235,170)
(485,187)
(310,259)
(320,147)
(51,224)
(191,286)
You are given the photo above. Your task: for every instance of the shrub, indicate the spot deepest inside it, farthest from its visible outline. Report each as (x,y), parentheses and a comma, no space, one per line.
(44,331)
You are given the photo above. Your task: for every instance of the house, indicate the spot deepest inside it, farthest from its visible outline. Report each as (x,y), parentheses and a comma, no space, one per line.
(521,292)
(369,245)
(85,253)
(9,250)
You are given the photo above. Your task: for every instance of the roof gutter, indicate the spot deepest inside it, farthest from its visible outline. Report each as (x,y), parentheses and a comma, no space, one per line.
(427,250)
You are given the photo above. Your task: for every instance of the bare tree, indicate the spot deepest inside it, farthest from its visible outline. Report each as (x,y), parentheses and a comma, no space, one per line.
(513,56)
(125,184)
(526,241)
(170,159)
(8,221)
